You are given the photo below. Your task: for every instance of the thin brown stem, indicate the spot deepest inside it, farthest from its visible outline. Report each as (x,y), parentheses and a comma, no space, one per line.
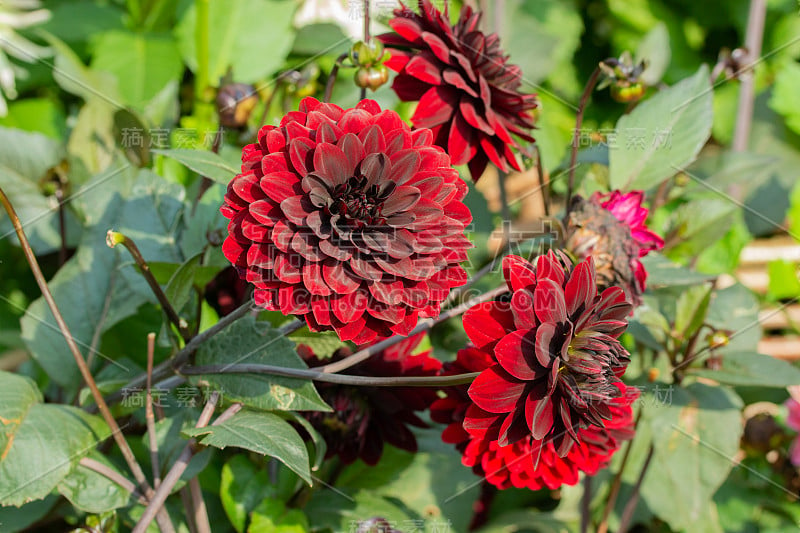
(62,225)
(136,470)
(753,38)
(340,379)
(630,507)
(423,325)
(617,482)
(505,210)
(112,239)
(114,476)
(586,500)
(573,157)
(166,368)
(366,38)
(332,77)
(174,474)
(199,512)
(149,416)
(544,182)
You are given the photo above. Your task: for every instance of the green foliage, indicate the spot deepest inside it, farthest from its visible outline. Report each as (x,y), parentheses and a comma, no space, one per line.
(40,444)
(247,341)
(263,433)
(662,135)
(752,369)
(203,162)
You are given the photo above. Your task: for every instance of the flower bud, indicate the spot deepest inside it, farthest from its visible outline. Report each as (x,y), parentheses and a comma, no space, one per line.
(372,77)
(235,102)
(366,54)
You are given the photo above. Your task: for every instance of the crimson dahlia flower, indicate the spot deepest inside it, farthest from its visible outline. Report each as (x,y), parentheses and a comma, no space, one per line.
(557,356)
(611,229)
(363,418)
(468,93)
(535,464)
(348,219)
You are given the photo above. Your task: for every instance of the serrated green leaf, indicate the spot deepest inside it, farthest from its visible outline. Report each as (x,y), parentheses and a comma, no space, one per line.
(263,433)
(662,134)
(203,162)
(39,443)
(248,341)
(753,370)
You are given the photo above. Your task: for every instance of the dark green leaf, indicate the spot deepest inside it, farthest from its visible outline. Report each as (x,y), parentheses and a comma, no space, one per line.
(40,443)
(248,341)
(752,369)
(203,162)
(263,433)
(662,134)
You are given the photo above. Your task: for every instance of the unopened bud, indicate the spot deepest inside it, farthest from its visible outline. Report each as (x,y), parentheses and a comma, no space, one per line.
(235,102)
(372,77)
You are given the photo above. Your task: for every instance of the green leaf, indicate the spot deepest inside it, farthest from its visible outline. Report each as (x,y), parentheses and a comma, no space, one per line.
(654,49)
(323,343)
(695,435)
(752,369)
(203,162)
(242,488)
(784,94)
(143,63)
(99,287)
(735,308)
(40,443)
(42,115)
(784,282)
(272,516)
(237,38)
(691,310)
(662,134)
(248,341)
(13,519)
(661,272)
(92,492)
(525,520)
(263,433)
(185,278)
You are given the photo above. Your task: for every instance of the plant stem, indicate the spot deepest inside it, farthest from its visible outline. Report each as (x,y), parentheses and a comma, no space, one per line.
(332,77)
(174,474)
(366,38)
(199,511)
(114,476)
(617,483)
(505,211)
(753,38)
(544,183)
(586,500)
(339,379)
(165,369)
(149,416)
(630,507)
(201,42)
(112,239)
(423,325)
(116,432)
(573,157)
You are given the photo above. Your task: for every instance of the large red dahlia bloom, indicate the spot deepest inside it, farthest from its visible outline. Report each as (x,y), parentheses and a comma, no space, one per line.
(536,464)
(348,219)
(363,418)
(468,94)
(558,357)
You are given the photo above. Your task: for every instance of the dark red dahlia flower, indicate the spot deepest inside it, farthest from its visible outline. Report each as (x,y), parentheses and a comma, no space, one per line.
(558,357)
(363,418)
(452,408)
(536,464)
(348,219)
(468,93)
(611,229)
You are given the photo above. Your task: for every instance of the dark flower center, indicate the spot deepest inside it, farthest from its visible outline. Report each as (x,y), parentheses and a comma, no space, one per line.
(360,202)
